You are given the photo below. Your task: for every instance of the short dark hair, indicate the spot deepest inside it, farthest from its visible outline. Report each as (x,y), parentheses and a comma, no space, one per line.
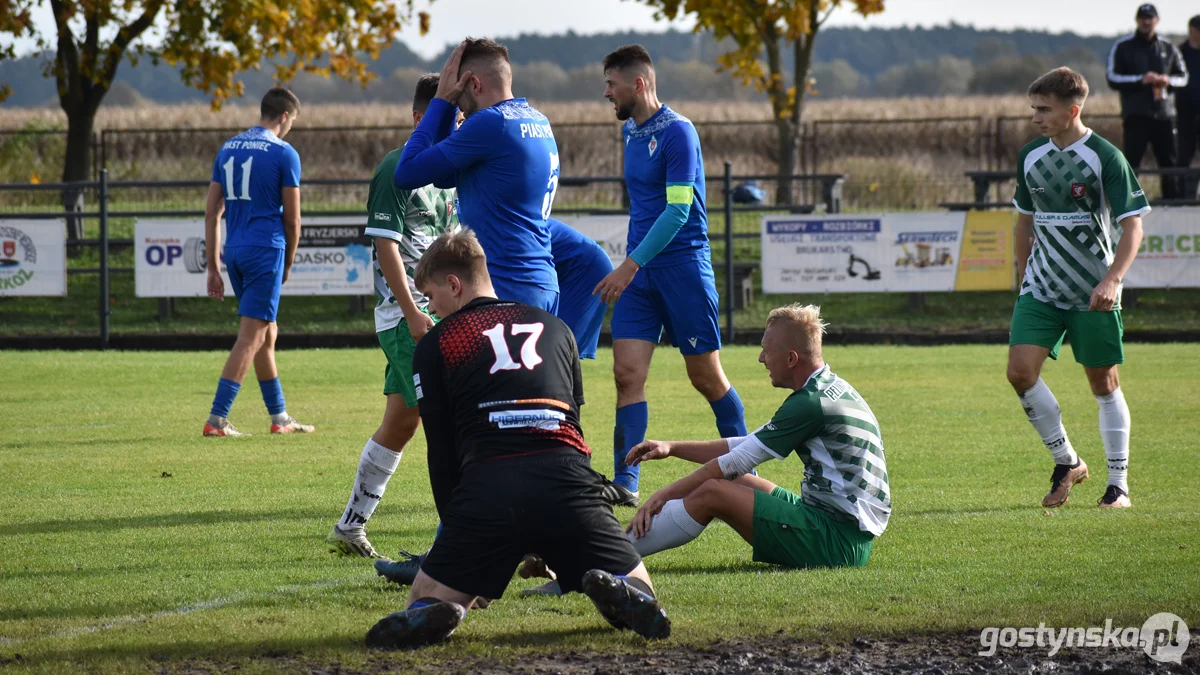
(278,101)
(480,49)
(1062,83)
(626,56)
(457,253)
(426,91)
(1194,22)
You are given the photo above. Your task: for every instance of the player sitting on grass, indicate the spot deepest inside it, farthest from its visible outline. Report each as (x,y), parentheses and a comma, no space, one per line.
(401,223)
(844,501)
(499,387)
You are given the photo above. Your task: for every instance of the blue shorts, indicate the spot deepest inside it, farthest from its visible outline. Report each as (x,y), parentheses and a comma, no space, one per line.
(584,315)
(680,299)
(526,294)
(256,273)
(579,309)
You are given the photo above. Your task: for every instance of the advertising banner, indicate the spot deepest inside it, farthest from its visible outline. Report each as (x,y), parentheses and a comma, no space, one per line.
(611,232)
(33,257)
(333,258)
(896,252)
(1169,256)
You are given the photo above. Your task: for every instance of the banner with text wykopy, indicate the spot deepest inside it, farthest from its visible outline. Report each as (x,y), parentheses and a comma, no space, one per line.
(33,257)
(1169,256)
(333,258)
(611,232)
(892,252)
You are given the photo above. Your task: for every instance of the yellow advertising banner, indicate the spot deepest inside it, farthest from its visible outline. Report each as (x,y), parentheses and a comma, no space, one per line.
(986,261)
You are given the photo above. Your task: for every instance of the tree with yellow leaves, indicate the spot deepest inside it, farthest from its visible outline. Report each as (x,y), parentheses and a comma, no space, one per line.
(759,28)
(211,41)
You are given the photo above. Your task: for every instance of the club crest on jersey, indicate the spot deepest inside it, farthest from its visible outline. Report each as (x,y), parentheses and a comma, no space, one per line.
(653,145)
(1078,190)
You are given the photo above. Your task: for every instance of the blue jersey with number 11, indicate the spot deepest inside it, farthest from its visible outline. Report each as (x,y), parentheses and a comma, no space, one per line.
(252,169)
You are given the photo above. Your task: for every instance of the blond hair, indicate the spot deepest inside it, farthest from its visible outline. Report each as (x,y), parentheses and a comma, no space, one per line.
(457,253)
(1064,84)
(804,324)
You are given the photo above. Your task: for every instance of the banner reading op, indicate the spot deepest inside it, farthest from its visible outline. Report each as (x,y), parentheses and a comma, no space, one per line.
(333,258)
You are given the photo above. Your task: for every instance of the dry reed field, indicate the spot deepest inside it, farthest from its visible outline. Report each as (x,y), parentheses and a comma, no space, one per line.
(906,153)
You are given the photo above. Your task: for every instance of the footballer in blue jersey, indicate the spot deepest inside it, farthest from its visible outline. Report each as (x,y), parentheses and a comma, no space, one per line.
(256,186)
(503,161)
(666,283)
(580,263)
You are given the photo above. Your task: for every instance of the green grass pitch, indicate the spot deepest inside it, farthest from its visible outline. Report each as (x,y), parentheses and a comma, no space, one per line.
(131,543)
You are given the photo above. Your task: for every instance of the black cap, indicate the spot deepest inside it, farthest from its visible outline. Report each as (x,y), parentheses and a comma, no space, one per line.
(1147,10)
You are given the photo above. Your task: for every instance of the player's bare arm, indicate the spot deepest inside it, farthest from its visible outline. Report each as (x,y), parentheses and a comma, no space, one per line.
(699,452)
(1024,243)
(681,488)
(291,227)
(1105,294)
(214,208)
(392,267)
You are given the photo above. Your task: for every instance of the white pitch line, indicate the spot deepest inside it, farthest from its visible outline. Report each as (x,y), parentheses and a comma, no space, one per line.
(203,605)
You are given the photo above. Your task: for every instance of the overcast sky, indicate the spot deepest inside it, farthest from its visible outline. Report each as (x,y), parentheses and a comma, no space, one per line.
(452,19)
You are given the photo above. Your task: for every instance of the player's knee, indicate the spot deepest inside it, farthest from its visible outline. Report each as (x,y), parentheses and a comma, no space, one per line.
(1021,376)
(629,378)
(712,385)
(704,503)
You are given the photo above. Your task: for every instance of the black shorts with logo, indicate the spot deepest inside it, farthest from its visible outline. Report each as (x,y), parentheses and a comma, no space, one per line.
(549,504)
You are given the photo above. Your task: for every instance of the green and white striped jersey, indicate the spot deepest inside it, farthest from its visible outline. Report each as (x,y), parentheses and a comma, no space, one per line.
(1077,197)
(833,431)
(413,218)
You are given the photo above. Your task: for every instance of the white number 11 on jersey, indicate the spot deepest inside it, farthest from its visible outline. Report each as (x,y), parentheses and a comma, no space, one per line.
(228,166)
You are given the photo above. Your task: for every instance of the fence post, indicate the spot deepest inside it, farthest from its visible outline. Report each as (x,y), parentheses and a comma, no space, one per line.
(728,190)
(105,309)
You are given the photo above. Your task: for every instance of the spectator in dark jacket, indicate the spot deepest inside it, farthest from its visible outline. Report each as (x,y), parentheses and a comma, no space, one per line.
(1147,69)
(1188,102)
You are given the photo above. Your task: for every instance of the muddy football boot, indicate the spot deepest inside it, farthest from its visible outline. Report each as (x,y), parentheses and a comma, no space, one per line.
(624,606)
(1062,480)
(420,625)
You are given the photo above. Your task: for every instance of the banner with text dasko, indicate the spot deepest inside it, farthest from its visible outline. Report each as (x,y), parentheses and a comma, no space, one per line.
(33,257)
(861,253)
(333,258)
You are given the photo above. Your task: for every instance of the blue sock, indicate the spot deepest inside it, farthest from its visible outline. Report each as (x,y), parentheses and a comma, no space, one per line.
(731,415)
(630,430)
(227,390)
(272,393)
(439,531)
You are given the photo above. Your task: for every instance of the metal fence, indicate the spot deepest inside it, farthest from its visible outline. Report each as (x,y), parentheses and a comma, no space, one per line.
(112,206)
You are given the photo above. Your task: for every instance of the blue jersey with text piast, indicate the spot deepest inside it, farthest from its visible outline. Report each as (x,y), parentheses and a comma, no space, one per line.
(252,169)
(663,151)
(506,164)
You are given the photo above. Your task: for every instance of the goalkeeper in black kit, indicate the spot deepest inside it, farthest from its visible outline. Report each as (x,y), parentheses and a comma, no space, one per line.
(499,387)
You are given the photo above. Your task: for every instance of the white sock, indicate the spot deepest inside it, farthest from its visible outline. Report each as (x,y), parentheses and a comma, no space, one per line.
(281,418)
(1045,416)
(1114,430)
(672,527)
(375,468)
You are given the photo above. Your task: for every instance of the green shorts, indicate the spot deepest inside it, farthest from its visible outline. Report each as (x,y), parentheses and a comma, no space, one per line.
(791,533)
(398,346)
(1095,336)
